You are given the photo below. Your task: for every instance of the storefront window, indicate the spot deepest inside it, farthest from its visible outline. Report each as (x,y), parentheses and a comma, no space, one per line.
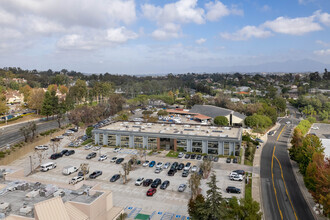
(182,143)
(111,140)
(138,142)
(152,143)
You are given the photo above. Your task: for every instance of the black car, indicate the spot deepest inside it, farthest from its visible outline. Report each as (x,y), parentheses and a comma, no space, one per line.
(193,156)
(80,173)
(119,160)
(70,152)
(114,178)
(235,160)
(200,172)
(156,183)
(165,184)
(231,189)
(199,157)
(95,174)
(181,166)
(171,172)
(147,182)
(185,173)
(175,165)
(55,156)
(64,151)
(216,159)
(91,155)
(187,156)
(228,160)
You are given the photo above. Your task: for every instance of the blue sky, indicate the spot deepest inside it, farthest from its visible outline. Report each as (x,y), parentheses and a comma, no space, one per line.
(161,36)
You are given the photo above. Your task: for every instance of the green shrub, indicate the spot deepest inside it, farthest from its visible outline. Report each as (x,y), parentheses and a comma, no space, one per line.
(221,120)
(311,119)
(87,142)
(51,131)
(172,154)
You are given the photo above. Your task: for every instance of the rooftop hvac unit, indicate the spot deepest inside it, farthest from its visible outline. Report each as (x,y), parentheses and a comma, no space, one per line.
(26,210)
(5,207)
(32,194)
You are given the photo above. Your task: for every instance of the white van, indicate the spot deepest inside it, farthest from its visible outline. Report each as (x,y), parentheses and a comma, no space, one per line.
(69,169)
(48,166)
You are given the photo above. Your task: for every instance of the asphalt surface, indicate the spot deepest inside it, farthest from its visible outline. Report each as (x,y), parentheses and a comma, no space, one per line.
(11,134)
(281,195)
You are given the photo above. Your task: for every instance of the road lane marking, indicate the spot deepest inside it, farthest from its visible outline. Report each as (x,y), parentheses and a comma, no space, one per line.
(272,171)
(286,190)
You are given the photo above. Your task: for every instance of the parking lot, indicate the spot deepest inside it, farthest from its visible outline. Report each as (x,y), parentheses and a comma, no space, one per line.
(168,202)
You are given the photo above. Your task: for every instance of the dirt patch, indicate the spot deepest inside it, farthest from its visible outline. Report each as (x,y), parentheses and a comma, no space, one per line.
(27,148)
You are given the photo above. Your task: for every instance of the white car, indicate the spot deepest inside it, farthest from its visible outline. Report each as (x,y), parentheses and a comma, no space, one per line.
(237,177)
(146,163)
(232,174)
(139,181)
(158,170)
(194,168)
(76,179)
(288,122)
(166,165)
(180,155)
(117,149)
(103,157)
(159,165)
(182,187)
(188,166)
(88,147)
(41,147)
(96,148)
(113,159)
(315,128)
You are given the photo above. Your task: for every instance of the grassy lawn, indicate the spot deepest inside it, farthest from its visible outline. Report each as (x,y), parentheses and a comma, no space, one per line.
(172,154)
(247,162)
(248,188)
(88,141)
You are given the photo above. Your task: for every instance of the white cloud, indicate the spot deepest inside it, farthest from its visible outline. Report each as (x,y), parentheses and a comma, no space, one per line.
(120,35)
(293,26)
(324,44)
(323,17)
(201,41)
(304,2)
(265,8)
(246,33)
(216,10)
(166,32)
(322,52)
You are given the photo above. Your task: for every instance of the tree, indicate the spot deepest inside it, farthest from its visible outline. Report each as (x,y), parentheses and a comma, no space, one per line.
(246,209)
(3,107)
(25,131)
(214,204)
(196,207)
(35,100)
(26,92)
(32,126)
(194,184)
(63,89)
(89,131)
(221,120)
(47,106)
(280,104)
(206,166)
(52,87)
(296,142)
(122,216)
(60,112)
(127,167)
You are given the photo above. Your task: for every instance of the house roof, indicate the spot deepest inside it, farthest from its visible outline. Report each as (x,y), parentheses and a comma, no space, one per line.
(214,111)
(174,111)
(243,93)
(74,213)
(202,117)
(51,209)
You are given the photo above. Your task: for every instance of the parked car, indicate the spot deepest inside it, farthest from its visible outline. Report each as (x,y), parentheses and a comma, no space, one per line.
(96,148)
(237,177)
(88,147)
(156,183)
(182,187)
(151,191)
(95,174)
(147,182)
(165,184)
(205,157)
(48,166)
(171,172)
(216,159)
(271,133)
(41,147)
(91,155)
(146,163)
(139,181)
(180,155)
(103,157)
(232,189)
(194,168)
(64,151)
(188,166)
(235,160)
(113,160)
(80,173)
(166,165)
(119,160)
(76,180)
(228,160)
(259,140)
(158,170)
(193,156)
(159,165)
(200,172)
(187,156)
(55,156)
(114,178)
(116,150)
(175,165)
(185,173)
(241,172)
(152,163)
(70,152)
(181,166)
(199,157)
(69,169)
(288,122)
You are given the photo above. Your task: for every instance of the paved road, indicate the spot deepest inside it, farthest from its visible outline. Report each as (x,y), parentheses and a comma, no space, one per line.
(281,195)
(11,134)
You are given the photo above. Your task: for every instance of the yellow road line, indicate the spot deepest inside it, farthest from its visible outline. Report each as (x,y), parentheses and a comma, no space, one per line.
(272,165)
(286,190)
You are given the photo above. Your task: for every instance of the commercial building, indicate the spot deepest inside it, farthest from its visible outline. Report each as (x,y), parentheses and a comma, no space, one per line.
(190,138)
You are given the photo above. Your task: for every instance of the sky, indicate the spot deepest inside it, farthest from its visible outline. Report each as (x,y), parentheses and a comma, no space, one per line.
(163,36)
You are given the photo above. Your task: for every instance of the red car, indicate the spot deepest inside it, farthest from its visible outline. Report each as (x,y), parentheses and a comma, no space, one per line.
(151,192)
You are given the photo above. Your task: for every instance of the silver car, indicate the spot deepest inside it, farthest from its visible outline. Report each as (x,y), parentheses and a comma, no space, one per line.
(158,170)
(166,165)
(182,187)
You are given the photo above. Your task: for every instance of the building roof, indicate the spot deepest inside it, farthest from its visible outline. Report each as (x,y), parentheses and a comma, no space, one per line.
(214,111)
(74,213)
(243,93)
(51,209)
(202,117)
(177,111)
